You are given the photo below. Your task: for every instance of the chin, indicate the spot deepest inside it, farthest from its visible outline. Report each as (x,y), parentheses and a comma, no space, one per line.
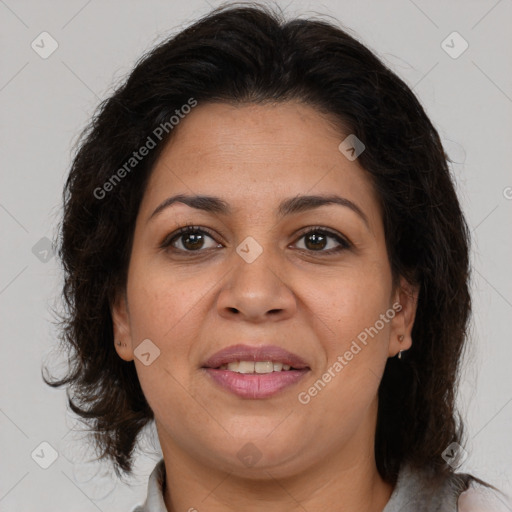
(256,459)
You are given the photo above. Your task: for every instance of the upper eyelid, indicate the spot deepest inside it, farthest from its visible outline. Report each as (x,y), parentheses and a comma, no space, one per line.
(303,232)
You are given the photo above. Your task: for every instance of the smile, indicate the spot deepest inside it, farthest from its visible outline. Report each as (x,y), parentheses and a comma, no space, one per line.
(254,385)
(255,372)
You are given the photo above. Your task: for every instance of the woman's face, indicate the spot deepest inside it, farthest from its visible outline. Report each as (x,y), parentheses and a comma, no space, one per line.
(250,275)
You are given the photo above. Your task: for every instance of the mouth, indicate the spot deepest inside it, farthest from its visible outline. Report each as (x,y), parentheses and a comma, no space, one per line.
(255,372)
(259,367)
(249,359)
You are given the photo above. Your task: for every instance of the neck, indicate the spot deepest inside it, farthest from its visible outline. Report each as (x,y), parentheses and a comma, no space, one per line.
(346,480)
(353,490)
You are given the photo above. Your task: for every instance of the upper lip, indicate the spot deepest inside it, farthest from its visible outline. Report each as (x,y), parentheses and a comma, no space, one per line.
(260,353)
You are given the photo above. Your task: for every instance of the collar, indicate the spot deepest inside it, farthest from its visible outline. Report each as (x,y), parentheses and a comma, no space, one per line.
(414,490)
(155,497)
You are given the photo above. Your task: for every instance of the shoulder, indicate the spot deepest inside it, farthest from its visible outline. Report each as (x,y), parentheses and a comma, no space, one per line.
(425,490)
(481,498)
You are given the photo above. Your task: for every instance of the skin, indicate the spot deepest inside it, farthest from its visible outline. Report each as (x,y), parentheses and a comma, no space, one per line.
(191,304)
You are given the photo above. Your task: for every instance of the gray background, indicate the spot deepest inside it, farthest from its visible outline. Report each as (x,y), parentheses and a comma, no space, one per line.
(45,103)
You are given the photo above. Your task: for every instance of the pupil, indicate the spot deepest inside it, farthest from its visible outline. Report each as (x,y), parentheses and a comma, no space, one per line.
(195,239)
(317,239)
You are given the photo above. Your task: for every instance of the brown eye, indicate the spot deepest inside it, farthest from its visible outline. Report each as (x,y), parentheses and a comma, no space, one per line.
(317,240)
(190,239)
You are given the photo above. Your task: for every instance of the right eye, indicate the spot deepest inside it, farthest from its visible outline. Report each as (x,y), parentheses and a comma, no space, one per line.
(190,238)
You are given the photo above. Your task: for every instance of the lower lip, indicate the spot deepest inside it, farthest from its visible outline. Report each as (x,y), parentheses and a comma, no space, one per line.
(255,385)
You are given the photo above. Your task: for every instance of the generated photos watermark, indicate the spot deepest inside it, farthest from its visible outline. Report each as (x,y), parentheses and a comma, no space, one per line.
(305,397)
(137,156)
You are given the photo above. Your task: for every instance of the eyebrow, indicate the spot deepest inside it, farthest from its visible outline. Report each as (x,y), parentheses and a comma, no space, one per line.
(293,205)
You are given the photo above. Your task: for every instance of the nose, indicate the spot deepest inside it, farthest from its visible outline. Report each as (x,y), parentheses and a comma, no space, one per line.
(256,291)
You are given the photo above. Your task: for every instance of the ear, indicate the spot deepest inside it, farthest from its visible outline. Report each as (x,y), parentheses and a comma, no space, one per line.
(121,327)
(405,301)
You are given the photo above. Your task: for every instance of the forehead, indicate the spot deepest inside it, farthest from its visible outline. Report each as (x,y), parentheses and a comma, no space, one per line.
(252,154)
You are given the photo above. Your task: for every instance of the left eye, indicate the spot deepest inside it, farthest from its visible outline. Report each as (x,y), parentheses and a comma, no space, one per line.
(317,240)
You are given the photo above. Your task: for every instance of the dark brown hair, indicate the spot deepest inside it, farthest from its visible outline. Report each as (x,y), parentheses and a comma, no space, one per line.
(251,54)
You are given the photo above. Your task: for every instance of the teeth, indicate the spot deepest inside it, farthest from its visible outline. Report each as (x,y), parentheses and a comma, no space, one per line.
(245,367)
(255,367)
(263,367)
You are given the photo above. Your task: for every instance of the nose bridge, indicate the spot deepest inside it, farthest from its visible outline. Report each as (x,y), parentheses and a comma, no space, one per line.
(255,287)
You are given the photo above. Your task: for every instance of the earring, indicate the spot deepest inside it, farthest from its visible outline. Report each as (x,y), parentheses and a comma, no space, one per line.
(400,338)
(118,343)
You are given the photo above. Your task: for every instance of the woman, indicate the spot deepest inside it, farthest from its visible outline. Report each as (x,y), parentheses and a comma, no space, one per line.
(265,255)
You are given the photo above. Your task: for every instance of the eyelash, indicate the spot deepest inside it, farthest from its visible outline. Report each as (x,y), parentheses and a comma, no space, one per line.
(169,239)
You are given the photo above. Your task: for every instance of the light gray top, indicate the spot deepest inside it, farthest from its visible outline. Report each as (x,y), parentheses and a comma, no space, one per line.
(416,491)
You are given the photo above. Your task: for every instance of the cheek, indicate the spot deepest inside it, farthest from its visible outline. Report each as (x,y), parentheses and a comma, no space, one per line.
(356,351)
(354,321)
(162,304)
(165,310)
(348,302)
